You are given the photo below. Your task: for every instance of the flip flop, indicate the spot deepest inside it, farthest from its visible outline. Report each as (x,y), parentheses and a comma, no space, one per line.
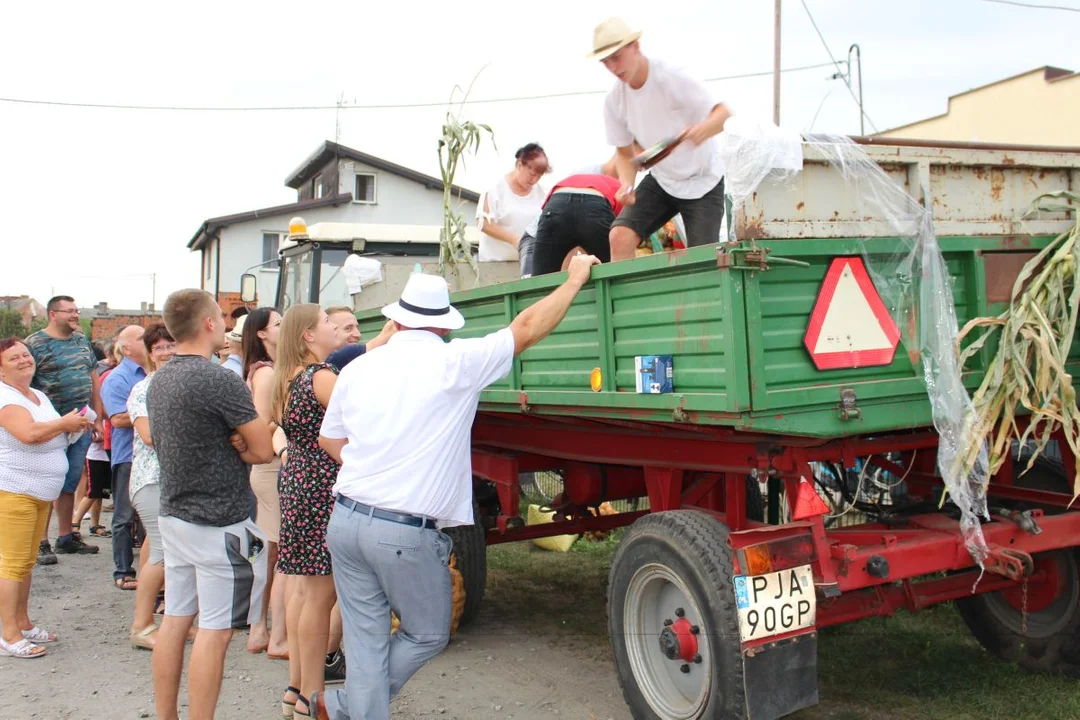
(23,650)
(272,656)
(141,639)
(37,635)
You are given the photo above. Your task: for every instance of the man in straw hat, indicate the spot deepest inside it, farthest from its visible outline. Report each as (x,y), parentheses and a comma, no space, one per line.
(653,103)
(399,422)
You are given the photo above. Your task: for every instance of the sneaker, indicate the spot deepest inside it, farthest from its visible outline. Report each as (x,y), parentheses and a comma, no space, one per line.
(335,668)
(45,555)
(75,545)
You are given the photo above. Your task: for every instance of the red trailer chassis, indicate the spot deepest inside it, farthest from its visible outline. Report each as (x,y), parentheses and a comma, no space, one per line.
(862,571)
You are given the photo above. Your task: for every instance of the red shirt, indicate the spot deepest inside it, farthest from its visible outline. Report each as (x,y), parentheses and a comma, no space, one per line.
(603,184)
(106,441)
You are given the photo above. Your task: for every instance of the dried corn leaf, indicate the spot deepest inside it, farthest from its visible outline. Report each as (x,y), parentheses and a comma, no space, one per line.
(1034,338)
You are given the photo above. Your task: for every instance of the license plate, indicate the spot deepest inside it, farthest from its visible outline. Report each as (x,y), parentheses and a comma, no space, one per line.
(776,603)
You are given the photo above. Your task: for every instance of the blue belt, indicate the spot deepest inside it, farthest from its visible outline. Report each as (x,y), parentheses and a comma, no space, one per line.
(401,518)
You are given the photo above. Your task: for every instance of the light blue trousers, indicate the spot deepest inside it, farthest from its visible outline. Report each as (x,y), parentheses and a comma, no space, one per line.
(381,566)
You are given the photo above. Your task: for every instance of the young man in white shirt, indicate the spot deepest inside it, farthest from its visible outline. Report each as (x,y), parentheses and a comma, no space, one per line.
(399,422)
(652,103)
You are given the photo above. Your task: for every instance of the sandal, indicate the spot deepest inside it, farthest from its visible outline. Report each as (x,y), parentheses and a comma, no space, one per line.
(100,531)
(142,639)
(159,604)
(24,649)
(37,635)
(288,708)
(126,583)
(307,714)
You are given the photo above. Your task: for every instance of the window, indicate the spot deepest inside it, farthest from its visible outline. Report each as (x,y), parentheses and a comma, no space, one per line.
(316,187)
(365,188)
(270,243)
(208,259)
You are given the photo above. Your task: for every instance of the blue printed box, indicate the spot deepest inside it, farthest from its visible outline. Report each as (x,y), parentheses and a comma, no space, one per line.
(654,374)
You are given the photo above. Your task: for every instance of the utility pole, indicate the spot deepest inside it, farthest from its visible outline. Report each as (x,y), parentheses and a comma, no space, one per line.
(153,292)
(776,66)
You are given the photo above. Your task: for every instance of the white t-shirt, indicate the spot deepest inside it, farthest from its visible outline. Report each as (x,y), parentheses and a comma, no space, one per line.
(668,102)
(37,470)
(510,211)
(407,409)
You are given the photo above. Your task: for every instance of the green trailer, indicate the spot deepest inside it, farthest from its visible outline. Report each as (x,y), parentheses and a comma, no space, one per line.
(804,358)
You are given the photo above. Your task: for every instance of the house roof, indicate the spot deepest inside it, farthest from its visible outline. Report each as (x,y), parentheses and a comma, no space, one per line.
(330,150)
(1050,74)
(211,226)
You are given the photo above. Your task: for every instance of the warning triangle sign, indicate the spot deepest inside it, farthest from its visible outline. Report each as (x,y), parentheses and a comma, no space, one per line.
(850,327)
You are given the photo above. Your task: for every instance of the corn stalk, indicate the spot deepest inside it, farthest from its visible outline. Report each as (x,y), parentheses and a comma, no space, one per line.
(459,138)
(1034,338)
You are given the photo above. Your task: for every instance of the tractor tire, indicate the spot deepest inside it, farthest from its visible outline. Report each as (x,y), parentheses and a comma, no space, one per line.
(1052,641)
(674,568)
(470,554)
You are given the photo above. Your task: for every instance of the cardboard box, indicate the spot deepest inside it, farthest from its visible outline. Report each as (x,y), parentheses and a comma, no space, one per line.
(654,374)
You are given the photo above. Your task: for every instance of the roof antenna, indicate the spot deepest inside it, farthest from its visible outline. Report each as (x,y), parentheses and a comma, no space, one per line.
(337,118)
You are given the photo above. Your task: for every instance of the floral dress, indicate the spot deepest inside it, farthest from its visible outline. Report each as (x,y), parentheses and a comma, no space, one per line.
(305,482)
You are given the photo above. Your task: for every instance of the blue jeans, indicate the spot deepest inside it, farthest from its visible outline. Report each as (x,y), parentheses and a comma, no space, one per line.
(122,521)
(76,457)
(379,565)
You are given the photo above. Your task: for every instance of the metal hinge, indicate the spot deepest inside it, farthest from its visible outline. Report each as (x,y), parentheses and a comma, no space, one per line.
(753,258)
(847,407)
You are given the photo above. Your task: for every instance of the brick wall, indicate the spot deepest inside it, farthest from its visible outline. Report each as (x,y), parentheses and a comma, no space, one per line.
(229,301)
(105,328)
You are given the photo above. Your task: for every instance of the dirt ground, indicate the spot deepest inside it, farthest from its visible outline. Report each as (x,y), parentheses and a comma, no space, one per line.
(494,669)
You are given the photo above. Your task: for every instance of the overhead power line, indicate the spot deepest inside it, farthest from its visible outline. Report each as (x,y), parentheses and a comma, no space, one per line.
(839,69)
(1034,6)
(390,106)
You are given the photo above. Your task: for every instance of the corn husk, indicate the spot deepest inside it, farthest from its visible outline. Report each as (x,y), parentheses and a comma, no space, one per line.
(457,586)
(1028,373)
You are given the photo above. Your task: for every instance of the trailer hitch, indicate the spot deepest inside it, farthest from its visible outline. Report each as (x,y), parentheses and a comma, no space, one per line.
(1013,564)
(753,258)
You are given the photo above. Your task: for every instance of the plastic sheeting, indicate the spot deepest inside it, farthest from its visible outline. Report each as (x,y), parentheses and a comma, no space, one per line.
(910,275)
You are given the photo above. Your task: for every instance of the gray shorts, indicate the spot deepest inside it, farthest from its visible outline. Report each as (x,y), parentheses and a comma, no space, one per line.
(654,206)
(147,503)
(217,572)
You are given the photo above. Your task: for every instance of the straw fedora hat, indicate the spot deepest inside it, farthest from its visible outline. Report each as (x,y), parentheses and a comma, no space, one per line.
(425,303)
(611,36)
(237,333)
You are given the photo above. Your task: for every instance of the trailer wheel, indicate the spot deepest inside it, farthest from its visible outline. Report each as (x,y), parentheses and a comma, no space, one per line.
(470,553)
(672,619)
(1052,641)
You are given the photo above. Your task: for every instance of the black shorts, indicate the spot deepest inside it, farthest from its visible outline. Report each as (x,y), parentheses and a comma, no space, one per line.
(571,220)
(653,207)
(99,479)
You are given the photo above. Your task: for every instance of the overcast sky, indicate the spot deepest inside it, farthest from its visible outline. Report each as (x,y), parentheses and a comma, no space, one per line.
(95,201)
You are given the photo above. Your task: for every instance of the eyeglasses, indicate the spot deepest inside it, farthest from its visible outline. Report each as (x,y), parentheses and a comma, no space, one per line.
(161,349)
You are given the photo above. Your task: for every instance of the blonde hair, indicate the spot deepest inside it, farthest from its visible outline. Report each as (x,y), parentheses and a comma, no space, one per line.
(292,353)
(334,309)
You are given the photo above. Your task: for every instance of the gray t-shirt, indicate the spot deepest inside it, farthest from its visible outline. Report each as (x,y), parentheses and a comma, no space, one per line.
(194,405)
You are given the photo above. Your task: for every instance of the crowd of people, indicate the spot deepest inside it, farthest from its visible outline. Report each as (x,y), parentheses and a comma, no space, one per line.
(276,474)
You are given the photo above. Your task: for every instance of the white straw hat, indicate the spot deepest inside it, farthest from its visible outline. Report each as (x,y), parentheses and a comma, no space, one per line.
(237,333)
(425,303)
(610,37)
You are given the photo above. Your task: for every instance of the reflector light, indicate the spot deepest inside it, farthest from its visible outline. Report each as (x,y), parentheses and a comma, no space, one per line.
(776,555)
(596,379)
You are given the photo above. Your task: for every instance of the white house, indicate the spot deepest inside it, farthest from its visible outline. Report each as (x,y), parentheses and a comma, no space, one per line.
(335,184)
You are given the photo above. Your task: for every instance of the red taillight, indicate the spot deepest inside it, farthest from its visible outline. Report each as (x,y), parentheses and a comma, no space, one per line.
(776,555)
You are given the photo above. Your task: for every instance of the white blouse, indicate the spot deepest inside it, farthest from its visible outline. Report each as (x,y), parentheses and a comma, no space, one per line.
(510,211)
(37,470)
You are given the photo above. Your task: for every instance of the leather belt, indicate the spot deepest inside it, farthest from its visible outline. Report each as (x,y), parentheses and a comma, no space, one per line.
(401,518)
